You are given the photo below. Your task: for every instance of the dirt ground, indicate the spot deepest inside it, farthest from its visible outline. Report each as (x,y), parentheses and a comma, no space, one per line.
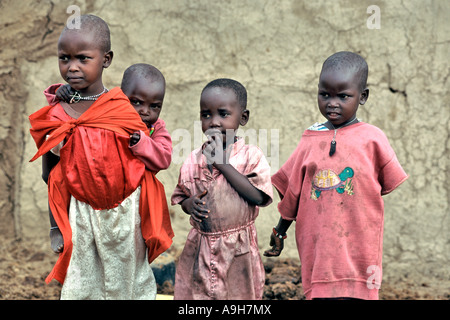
(24,266)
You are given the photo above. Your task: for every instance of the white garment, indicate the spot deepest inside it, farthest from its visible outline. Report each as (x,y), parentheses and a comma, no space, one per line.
(109,257)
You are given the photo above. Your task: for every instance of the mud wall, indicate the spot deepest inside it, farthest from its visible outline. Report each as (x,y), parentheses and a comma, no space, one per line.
(275,48)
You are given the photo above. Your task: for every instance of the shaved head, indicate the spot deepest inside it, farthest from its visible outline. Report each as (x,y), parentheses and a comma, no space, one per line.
(97,27)
(346,60)
(238,89)
(143,71)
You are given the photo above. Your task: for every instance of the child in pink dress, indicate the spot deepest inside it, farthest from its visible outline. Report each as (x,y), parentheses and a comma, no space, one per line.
(332,186)
(221,185)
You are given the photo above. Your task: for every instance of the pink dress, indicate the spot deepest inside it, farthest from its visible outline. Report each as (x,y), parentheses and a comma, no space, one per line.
(221,259)
(337,204)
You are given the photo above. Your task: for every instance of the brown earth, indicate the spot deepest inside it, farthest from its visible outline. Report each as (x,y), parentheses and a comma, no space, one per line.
(24,266)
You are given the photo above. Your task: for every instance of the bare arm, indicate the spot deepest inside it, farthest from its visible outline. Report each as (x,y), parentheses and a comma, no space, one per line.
(49,160)
(56,237)
(237,180)
(277,241)
(283,226)
(241,184)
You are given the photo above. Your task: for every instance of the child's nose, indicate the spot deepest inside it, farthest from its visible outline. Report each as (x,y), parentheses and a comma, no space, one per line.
(333,103)
(144,110)
(215,122)
(73,67)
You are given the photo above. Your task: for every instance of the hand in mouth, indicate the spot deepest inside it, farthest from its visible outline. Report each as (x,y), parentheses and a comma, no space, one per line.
(213,132)
(147,122)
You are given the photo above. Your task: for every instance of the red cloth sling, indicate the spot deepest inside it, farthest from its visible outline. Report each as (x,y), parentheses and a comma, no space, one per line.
(75,174)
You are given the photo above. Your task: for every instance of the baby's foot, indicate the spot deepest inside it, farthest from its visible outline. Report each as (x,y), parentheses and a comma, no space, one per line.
(56,240)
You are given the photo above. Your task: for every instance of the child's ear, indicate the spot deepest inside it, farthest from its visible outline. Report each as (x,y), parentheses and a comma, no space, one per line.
(364,96)
(108,59)
(244,117)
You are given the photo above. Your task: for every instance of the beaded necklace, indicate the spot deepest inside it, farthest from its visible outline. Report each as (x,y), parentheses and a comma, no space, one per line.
(152,129)
(76,97)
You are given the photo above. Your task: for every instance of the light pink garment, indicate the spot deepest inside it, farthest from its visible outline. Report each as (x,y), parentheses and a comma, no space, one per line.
(221,259)
(50,94)
(337,204)
(155,151)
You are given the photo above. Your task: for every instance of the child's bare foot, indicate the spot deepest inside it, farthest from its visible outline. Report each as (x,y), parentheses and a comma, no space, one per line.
(56,240)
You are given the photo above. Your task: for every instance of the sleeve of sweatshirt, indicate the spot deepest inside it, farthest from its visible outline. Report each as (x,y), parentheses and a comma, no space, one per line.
(50,94)
(154,151)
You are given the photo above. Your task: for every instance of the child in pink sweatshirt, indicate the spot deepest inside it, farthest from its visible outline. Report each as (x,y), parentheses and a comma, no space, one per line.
(332,186)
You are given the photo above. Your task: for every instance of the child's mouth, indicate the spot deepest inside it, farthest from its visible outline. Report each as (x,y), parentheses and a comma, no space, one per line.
(333,115)
(74,79)
(147,122)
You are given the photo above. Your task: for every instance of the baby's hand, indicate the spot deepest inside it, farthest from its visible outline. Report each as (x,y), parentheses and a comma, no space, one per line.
(64,93)
(134,138)
(277,246)
(56,240)
(196,207)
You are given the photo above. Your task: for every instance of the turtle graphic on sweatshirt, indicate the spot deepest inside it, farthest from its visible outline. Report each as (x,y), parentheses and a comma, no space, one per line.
(327,179)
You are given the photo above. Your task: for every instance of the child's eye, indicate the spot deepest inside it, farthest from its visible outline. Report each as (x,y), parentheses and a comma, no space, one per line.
(155,106)
(205,115)
(324,95)
(343,96)
(64,58)
(135,102)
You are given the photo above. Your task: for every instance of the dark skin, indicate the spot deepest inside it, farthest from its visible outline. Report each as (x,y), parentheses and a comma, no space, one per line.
(81,64)
(49,160)
(339,96)
(147,97)
(221,116)
(277,243)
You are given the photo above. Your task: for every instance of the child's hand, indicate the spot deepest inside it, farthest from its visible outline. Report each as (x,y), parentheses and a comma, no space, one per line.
(64,93)
(213,150)
(196,207)
(56,240)
(277,246)
(134,138)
